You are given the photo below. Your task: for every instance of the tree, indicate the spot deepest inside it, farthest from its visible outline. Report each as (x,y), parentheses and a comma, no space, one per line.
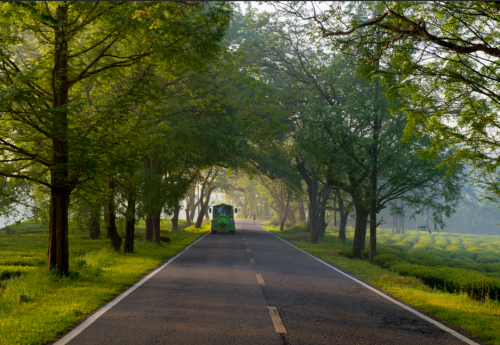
(342,124)
(444,59)
(49,52)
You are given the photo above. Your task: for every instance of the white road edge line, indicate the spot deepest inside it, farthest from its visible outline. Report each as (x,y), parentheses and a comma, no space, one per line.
(68,337)
(434,322)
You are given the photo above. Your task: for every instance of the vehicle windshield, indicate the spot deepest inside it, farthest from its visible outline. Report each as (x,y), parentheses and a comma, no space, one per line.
(220,210)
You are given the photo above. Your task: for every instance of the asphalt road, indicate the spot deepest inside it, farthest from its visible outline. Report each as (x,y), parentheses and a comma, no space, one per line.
(213,293)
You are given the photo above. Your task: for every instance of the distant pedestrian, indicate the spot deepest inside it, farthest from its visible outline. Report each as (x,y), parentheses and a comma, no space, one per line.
(254,217)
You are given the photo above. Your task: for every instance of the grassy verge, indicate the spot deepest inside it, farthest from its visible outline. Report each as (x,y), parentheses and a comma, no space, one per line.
(480,318)
(56,303)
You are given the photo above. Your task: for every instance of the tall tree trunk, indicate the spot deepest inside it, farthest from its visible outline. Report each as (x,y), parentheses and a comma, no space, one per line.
(393,223)
(335,211)
(291,215)
(302,212)
(193,207)
(343,217)
(402,218)
(128,246)
(95,222)
(149,228)
(313,209)
(57,256)
(204,207)
(175,219)
(282,226)
(188,220)
(105,216)
(116,240)
(156,227)
(207,216)
(343,224)
(189,202)
(373,229)
(360,228)
(322,221)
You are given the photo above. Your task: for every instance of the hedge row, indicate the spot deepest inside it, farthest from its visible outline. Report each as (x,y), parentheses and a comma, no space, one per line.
(7,272)
(478,286)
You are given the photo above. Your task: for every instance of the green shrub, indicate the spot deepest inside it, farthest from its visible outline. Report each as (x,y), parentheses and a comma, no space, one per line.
(490,268)
(386,260)
(347,252)
(403,245)
(298,227)
(275,221)
(7,272)
(9,231)
(454,280)
(419,246)
(461,254)
(487,258)
(165,238)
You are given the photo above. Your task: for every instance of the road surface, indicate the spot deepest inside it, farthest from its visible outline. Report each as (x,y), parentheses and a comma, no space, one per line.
(253,288)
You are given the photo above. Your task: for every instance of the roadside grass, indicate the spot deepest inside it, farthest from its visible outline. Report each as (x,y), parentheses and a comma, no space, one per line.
(445,251)
(97,275)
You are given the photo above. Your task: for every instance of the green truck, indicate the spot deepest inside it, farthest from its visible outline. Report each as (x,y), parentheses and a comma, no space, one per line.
(223,218)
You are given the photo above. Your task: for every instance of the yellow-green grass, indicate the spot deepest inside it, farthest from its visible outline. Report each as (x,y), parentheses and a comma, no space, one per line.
(97,274)
(480,318)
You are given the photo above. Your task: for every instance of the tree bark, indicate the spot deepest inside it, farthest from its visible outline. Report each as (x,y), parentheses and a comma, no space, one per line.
(105,215)
(116,240)
(175,219)
(343,225)
(95,222)
(282,226)
(322,221)
(156,227)
(149,228)
(189,201)
(402,218)
(128,247)
(57,256)
(343,217)
(204,207)
(302,212)
(373,229)
(359,229)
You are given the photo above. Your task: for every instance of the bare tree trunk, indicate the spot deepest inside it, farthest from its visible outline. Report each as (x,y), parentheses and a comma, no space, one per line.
(282,226)
(204,207)
(116,240)
(95,222)
(394,219)
(343,225)
(175,219)
(335,211)
(128,246)
(189,202)
(373,217)
(57,256)
(149,228)
(322,221)
(156,227)
(360,229)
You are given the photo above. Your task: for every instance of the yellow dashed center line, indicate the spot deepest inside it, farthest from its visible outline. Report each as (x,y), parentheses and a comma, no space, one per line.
(260,280)
(252,261)
(248,250)
(278,325)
